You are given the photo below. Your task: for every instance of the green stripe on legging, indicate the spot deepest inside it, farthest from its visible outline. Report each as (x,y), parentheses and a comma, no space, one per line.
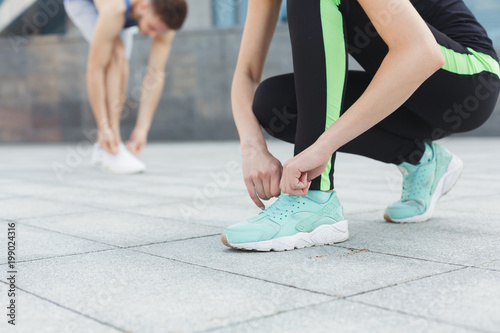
(335,57)
(469,64)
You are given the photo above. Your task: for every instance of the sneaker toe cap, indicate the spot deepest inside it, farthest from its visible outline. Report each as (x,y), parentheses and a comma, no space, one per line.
(401,210)
(237,234)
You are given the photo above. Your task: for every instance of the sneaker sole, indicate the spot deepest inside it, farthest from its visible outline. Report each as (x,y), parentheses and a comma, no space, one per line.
(445,184)
(322,235)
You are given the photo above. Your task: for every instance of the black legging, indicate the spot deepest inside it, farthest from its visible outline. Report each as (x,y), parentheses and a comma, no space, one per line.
(293,107)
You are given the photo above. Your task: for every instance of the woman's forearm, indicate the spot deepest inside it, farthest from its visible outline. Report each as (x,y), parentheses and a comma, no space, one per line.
(399,76)
(242,94)
(97,96)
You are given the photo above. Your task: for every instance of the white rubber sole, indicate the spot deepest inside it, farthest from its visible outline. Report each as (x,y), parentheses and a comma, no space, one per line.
(95,162)
(445,184)
(323,235)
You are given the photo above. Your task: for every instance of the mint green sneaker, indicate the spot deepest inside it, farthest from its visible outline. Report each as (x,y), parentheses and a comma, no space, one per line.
(292,222)
(423,184)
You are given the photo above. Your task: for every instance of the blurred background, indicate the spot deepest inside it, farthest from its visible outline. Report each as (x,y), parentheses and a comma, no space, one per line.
(42,72)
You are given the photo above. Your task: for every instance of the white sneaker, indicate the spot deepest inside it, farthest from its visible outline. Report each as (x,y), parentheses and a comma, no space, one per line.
(97,155)
(123,162)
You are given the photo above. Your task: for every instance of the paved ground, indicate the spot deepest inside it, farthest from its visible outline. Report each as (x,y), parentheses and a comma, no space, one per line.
(106,253)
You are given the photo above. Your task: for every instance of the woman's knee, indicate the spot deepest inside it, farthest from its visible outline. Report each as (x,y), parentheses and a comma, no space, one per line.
(262,101)
(272,95)
(469,115)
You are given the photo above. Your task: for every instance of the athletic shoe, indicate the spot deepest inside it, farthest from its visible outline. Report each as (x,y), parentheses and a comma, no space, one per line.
(292,222)
(123,162)
(423,184)
(97,155)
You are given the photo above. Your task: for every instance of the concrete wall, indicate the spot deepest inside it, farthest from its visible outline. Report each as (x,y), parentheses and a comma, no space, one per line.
(43,93)
(200,15)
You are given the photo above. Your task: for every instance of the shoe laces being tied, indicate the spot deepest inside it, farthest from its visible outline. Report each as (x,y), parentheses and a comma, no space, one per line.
(282,207)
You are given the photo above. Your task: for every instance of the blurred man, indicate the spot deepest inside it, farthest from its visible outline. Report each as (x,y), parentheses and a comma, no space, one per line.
(105,25)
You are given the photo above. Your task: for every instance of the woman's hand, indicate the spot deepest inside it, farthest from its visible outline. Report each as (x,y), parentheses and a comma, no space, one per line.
(299,171)
(262,173)
(137,141)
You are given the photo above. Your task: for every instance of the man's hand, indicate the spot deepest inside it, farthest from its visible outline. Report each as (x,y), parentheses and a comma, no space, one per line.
(107,140)
(137,141)
(299,171)
(262,173)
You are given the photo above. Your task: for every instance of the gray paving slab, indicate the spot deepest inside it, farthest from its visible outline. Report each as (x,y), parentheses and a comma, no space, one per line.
(111,199)
(28,207)
(207,210)
(485,205)
(122,229)
(457,238)
(6,196)
(472,187)
(495,265)
(208,188)
(38,315)
(35,243)
(331,270)
(142,293)
(4,180)
(469,297)
(207,286)
(342,316)
(105,181)
(26,188)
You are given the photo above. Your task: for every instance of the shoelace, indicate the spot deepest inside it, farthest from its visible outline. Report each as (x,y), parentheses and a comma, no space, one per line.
(281,206)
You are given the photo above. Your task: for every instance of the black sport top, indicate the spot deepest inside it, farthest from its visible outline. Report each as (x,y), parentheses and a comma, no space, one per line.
(454,19)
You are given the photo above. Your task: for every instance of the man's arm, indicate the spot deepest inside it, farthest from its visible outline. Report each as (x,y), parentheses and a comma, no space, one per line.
(108,26)
(152,87)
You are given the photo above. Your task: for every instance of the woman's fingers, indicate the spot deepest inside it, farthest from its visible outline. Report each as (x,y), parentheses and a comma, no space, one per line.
(253,194)
(260,187)
(303,182)
(275,183)
(293,181)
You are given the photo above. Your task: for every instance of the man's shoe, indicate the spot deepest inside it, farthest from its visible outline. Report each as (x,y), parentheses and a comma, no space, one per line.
(97,155)
(123,162)
(423,184)
(292,222)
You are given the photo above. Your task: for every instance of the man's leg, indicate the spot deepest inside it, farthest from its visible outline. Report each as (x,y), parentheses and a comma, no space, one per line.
(116,86)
